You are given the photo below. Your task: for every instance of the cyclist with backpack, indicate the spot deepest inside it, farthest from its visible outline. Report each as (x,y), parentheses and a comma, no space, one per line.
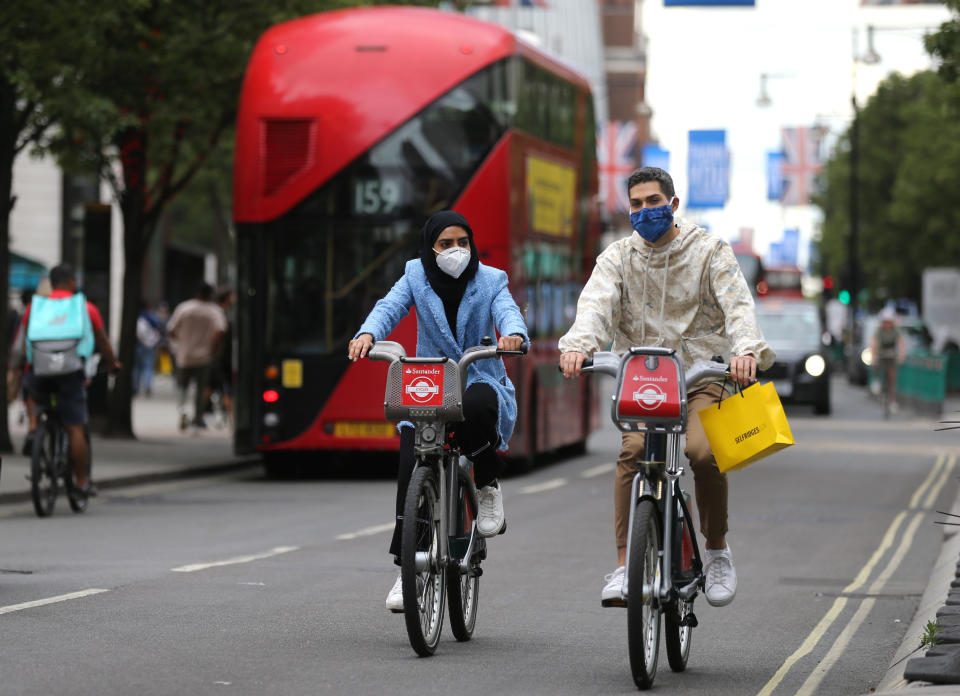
(62,330)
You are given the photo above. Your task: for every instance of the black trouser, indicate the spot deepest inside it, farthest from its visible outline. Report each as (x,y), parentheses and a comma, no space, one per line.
(478,439)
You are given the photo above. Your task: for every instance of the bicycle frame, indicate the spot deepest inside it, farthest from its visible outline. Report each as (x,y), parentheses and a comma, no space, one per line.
(659,470)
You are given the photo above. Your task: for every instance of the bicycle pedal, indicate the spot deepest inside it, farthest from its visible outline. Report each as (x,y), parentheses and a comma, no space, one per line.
(607,603)
(690,620)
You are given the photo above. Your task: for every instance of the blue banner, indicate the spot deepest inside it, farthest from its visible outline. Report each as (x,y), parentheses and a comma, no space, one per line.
(707,169)
(709,3)
(653,156)
(775,180)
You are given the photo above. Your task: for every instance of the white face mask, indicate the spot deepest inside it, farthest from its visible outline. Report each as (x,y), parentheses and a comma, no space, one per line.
(453,261)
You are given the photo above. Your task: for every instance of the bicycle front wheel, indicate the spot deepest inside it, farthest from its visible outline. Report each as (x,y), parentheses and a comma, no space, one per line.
(423,575)
(463,589)
(643,608)
(43,478)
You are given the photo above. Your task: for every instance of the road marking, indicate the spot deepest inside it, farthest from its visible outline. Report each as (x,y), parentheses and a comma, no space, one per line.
(51,600)
(821,628)
(935,490)
(598,470)
(367,531)
(915,500)
(838,604)
(541,487)
(843,640)
(276,551)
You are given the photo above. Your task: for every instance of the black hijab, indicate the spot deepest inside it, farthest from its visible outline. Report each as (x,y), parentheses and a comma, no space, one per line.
(449,289)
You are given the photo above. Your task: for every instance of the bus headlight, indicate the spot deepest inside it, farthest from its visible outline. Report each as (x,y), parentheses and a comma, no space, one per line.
(815,365)
(866,357)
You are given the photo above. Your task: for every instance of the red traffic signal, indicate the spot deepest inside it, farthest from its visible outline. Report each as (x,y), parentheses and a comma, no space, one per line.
(828,282)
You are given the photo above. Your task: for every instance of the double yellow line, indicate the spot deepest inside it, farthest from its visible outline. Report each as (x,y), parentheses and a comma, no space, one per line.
(921,501)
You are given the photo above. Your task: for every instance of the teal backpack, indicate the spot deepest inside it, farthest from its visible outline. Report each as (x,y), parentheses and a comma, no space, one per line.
(59,335)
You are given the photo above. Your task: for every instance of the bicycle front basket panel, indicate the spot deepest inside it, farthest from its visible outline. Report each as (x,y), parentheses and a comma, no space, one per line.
(420,389)
(650,392)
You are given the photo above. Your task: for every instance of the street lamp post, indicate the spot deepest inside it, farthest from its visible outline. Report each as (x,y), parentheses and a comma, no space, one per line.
(853,266)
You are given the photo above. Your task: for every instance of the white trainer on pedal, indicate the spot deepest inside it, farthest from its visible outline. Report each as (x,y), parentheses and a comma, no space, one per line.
(721,583)
(613,590)
(490,517)
(395,597)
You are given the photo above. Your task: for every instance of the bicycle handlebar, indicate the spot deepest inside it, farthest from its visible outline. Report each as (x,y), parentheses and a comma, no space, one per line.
(608,363)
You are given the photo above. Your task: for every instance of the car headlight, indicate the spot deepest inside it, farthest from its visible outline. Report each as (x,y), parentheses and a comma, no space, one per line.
(867,357)
(815,365)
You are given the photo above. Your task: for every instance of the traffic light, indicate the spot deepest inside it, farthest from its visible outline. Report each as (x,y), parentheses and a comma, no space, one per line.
(844,296)
(828,282)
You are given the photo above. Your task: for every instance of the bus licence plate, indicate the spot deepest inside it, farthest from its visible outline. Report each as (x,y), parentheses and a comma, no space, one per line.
(363,429)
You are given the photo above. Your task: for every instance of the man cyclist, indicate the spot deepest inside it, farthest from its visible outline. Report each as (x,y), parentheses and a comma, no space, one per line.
(888,348)
(61,316)
(675,285)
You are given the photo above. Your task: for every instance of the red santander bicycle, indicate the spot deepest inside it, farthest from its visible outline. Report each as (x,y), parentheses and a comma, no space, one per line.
(664,571)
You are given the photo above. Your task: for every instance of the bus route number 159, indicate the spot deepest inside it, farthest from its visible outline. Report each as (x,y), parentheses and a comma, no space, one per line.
(376,196)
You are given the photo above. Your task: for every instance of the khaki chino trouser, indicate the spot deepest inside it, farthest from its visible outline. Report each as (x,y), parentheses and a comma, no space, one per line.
(709,483)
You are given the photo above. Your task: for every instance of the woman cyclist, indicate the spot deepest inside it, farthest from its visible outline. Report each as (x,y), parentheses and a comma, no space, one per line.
(458,301)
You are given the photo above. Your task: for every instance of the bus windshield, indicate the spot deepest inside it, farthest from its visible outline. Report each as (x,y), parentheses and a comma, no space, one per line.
(342,248)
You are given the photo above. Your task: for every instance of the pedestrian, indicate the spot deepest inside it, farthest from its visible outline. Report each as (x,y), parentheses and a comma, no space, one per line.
(458,301)
(195,330)
(671,284)
(150,329)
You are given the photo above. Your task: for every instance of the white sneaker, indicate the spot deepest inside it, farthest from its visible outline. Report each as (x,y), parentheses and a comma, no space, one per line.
(395,597)
(490,516)
(721,584)
(613,590)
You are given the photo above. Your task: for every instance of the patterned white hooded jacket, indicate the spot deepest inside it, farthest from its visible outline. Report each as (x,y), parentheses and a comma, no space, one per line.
(689,295)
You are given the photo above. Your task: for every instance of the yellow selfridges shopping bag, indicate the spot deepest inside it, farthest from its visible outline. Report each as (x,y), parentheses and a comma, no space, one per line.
(746,427)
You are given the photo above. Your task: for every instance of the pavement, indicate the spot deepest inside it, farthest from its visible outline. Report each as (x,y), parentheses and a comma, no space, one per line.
(161,451)
(934,598)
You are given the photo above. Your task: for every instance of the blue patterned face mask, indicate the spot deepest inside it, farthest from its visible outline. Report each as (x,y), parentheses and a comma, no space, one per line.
(652,223)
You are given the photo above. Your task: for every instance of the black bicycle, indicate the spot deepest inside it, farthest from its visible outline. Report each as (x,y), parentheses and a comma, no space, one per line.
(50,464)
(664,570)
(440,548)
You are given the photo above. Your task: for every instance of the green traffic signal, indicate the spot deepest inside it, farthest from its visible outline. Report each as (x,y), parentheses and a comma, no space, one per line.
(844,296)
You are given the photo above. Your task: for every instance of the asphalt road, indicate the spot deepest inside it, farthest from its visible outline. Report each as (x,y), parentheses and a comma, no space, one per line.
(238,585)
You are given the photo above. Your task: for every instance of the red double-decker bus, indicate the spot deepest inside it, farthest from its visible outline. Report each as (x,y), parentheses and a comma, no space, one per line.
(355,126)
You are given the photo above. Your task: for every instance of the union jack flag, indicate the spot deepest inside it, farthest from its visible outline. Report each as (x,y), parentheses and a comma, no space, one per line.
(801,164)
(616,153)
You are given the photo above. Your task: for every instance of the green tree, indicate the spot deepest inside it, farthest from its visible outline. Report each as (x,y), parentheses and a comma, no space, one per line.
(909,155)
(150,105)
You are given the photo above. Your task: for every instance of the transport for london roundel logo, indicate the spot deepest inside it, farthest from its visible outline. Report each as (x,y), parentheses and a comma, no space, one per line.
(422,389)
(649,396)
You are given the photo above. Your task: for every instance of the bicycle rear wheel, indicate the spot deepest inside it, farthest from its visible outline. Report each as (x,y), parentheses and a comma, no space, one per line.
(79,500)
(463,589)
(643,608)
(43,478)
(423,576)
